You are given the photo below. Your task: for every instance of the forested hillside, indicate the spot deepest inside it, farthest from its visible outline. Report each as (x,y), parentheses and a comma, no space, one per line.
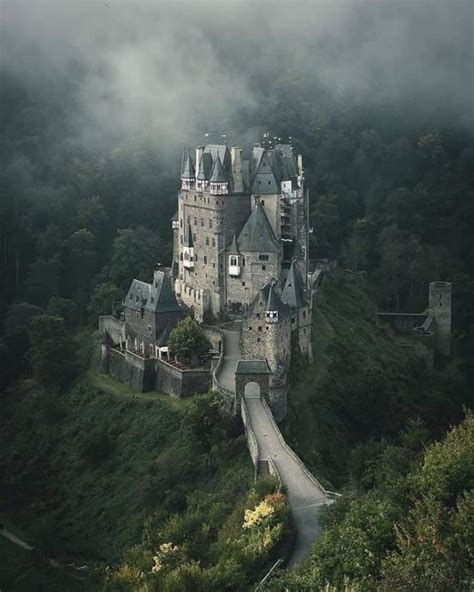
(96,103)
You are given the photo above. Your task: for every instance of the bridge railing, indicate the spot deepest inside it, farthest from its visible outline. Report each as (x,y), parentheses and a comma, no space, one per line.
(252,443)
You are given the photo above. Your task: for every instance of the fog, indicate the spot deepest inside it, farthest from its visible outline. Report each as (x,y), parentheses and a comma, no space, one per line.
(175,70)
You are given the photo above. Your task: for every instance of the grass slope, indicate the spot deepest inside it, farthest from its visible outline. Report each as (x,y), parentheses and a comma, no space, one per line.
(85,468)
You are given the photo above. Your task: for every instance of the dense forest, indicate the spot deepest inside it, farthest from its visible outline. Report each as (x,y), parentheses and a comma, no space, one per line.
(154,494)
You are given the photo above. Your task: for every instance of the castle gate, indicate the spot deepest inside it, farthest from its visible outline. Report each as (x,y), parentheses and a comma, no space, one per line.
(252,380)
(252,390)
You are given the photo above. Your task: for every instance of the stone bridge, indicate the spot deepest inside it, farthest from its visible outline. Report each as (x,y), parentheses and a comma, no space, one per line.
(267,447)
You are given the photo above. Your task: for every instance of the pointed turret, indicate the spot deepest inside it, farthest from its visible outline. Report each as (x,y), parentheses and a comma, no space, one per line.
(187,173)
(219,184)
(293,292)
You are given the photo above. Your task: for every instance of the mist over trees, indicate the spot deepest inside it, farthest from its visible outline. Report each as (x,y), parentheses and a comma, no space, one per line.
(97,100)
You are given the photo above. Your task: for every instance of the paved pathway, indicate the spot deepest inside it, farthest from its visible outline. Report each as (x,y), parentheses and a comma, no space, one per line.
(304,496)
(226,376)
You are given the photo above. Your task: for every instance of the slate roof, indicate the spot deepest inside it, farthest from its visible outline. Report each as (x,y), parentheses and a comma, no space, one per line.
(257,234)
(188,167)
(205,167)
(272,300)
(233,249)
(252,367)
(157,297)
(218,174)
(293,291)
(270,167)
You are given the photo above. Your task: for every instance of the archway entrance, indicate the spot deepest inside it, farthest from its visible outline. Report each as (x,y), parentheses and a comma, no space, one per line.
(252,390)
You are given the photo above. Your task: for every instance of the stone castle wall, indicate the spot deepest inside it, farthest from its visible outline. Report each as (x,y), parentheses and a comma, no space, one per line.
(266,340)
(253,276)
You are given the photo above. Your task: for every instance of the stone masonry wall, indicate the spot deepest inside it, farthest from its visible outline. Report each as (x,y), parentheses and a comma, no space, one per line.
(253,276)
(265,340)
(181,383)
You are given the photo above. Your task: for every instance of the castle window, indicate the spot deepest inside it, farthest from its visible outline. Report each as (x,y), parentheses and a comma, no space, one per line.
(181,256)
(181,223)
(258,339)
(202,221)
(195,221)
(260,328)
(263,257)
(207,241)
(189,219)
(182,240)
(194,198)
(269,182)
(233,261)
(214,265)
(304,314)
(149,329)
(258,315)
(205,259)
(243,283)
(263,201)
(250,328)
(264,267)
(243,260)
(213,242)
(210,223)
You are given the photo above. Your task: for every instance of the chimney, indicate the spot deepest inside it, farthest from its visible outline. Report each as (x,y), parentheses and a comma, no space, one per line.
(199,153)
(300,164)
(237,169)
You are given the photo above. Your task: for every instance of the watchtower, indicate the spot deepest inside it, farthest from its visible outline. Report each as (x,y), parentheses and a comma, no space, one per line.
(440,306)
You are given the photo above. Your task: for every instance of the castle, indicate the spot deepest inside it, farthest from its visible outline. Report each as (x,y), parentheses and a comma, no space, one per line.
(240,251)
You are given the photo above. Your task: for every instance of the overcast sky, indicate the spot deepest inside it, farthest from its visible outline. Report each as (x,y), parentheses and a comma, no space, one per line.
(170,67)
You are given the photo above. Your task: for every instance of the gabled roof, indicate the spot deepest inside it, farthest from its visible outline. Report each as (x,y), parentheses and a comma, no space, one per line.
(188,240)
(293,291)
(273,300)
(219,149)
(264,180)
(218,174)
(162,296)
(157,297)
(233,249)
(257,234)
(270,298)
(205,167)
(188,167)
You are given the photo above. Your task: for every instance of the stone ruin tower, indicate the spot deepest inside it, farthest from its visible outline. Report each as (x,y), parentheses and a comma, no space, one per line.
(440,307)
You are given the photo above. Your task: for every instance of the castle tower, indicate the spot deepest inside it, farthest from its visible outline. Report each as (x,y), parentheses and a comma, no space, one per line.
(187,174)
(219,184)
(440,306)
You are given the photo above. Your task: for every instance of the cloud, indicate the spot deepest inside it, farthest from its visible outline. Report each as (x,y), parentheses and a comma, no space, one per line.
(173,70)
